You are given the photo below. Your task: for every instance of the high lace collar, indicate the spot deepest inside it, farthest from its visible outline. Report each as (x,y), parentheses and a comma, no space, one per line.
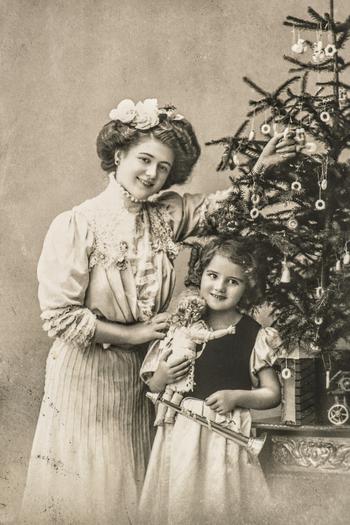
(117,194)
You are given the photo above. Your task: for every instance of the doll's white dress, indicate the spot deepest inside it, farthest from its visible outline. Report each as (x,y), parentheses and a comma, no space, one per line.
(108,259)
(197,477)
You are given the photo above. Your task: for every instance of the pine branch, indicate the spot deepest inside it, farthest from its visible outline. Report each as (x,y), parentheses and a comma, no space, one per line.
(255,86)
(293,21)
(343,39)
(318,18)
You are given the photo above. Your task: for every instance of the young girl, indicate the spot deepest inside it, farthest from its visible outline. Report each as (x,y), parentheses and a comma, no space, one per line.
(194,475)
(106,277)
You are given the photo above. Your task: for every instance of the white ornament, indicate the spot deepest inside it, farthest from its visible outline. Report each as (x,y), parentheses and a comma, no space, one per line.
(286,373)
(330,50)
(318,321)
(300,135)
(251,135)
(310,148)
(236,159)
(320,204)
(265,129)
(255,198)
(346,258)
(292,223)
(319,292)
(324,185)
(325,116)
(300,46)
(254,213)
(338,266)
(296,186)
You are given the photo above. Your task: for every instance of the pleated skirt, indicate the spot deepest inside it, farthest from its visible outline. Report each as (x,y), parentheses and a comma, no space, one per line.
(197,477)
(92,441)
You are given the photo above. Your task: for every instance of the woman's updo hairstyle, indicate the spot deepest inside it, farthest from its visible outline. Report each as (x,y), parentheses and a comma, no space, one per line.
(177,134)
(241,251)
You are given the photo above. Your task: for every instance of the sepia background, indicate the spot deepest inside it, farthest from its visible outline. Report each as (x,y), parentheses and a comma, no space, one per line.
(64,65)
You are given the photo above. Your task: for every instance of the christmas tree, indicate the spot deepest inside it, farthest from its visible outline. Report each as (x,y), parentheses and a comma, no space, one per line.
(298,212)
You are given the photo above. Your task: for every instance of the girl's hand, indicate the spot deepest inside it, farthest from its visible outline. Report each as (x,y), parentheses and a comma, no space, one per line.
(147,331)
(223,401)
(279,148)
(167,373)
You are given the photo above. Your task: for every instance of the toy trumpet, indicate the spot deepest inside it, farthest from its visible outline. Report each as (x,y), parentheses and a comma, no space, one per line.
(253,445)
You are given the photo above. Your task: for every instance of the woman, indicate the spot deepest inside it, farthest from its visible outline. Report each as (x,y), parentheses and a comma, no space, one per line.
(105,280)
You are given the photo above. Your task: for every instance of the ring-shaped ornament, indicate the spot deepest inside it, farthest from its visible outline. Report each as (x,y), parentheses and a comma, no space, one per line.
(330,50)
(255,198)
(325,116)
(265,129)
(320,204)
(286,373)
(296,186)
(254,213)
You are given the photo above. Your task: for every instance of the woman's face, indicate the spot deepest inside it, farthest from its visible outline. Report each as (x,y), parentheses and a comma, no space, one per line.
(223,283)
(144,168)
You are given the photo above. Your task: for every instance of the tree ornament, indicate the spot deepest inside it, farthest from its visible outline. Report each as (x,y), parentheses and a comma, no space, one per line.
(236,159)
(330,50)
(325,116)
(292,223)
(346,257)
(285,276)
(319,292)
(338,267)
(296,185)
(324,184)
(254,213)
(265,129)
(255,198)
(315,349)
(300,135)
(320,204)
(300,46)
(251,135)
(318,321)
(286,373)
(310,148)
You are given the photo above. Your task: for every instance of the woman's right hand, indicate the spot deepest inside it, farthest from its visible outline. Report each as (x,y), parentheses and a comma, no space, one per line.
(146,331)
(168,373)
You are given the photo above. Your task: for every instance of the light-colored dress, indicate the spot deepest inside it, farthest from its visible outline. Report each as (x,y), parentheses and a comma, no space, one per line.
(108,259)
(197,477)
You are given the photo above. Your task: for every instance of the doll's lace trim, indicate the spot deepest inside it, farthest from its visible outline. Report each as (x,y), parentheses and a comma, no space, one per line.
(73,324)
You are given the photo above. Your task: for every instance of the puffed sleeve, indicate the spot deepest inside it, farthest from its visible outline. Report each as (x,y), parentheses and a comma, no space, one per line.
(63,275)
(266,350)
(189,213)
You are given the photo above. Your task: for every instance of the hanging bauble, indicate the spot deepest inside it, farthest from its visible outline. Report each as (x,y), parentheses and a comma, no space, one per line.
(346,258)
(300,46)
(285,277)
(254,213)
(330,50)
(286,373)
(292,223)
(255,198)
(319,292)
(296,185)
(251,135)
(328,377)
(236,159)
(338,266)
(325,116)
(265,129)
(324,184)
(300,135)
(320,204)
(318,321)
(317,46)
(310,148)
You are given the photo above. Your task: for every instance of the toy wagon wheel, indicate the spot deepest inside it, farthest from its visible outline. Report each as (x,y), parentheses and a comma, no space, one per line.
(338,414)
(344,384)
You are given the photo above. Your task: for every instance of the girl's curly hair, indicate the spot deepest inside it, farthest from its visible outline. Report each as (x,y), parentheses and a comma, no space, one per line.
(177,134)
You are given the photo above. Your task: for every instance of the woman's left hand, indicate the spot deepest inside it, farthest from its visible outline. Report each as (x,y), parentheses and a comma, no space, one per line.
(223,401)
(280,147)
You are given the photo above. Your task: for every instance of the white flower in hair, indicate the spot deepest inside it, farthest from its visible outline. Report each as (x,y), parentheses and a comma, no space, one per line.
(125,111)
(147,114)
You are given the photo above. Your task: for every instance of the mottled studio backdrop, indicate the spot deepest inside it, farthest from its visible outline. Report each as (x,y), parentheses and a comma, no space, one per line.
(64,65)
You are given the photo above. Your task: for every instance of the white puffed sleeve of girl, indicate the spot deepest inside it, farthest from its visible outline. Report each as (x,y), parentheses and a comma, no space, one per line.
(265,352)
(63,275)
(189,213)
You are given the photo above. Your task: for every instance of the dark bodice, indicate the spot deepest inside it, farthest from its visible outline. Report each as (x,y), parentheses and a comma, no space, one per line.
(224,363)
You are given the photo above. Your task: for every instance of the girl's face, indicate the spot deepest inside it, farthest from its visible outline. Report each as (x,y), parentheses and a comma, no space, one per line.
(143,169)
(223,284)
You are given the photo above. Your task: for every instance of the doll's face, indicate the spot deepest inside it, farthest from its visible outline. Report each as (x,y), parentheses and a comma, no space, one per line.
(222,284)
(144,168)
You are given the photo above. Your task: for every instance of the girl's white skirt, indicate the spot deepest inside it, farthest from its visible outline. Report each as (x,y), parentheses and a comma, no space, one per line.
(196,476)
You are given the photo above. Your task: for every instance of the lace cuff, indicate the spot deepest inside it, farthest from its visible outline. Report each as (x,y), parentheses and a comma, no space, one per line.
(73,324)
